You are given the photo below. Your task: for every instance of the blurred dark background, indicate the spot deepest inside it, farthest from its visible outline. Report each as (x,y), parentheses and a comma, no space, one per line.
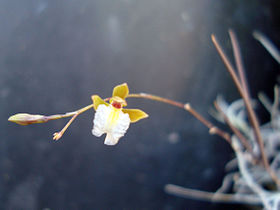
(54,54)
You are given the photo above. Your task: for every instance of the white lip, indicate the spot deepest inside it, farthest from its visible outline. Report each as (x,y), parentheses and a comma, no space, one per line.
(111,121)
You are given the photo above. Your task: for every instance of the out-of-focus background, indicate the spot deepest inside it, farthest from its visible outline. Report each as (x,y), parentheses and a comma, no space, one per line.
(55,54)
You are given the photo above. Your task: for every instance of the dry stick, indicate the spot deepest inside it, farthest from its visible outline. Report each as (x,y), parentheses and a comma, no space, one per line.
(228,65)
(208,196)
(268,45)
(275,105)
(235,130)
(246,96)
(265,102)
(212,129)
(249,108)
(251,113)
(239,63)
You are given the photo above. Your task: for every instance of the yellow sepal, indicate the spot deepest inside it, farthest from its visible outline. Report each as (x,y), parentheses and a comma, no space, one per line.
(121,91)
(97,101)
(135,114)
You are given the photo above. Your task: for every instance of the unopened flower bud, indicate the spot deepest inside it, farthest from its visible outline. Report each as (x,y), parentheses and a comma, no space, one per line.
(26,119)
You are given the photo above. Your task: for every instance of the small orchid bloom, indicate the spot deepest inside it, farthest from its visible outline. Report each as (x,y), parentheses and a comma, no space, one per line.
(111,118)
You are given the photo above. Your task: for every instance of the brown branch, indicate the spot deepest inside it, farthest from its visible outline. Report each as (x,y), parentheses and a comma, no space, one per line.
(228,65)
(212,129)
(240,136)
(239,62)
(213,197)
(274,109)
(268,45)
(245,96)
(251,113)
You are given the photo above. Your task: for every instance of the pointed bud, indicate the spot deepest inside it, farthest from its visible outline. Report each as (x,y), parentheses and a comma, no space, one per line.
(26,119)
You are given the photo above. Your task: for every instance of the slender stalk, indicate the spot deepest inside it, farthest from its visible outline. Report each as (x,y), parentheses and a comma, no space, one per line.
(268,45)
(265,102)
(228,65)
(239,63)
(275,106)
(250,181)
(60,116)
(212,129)
(58,135)
(157,98)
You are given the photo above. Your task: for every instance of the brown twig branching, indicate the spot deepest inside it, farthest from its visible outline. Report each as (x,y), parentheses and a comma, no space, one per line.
(252,176)
(242,138)
(213,197)
(243,90)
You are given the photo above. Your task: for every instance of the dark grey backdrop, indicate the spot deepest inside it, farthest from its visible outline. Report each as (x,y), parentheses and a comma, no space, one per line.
(55,54)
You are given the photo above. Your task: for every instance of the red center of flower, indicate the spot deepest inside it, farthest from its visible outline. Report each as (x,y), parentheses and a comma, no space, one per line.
(116,104)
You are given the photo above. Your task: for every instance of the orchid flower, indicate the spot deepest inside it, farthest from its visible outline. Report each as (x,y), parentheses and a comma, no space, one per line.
(111,118)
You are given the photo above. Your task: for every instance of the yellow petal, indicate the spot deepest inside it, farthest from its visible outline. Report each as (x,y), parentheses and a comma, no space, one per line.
(135,114)
(97,101)
(121,91)
(27,119)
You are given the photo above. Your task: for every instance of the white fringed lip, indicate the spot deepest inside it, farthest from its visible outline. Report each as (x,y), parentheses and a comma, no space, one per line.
(111,121)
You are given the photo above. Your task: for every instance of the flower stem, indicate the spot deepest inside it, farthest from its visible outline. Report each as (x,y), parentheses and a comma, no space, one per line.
(156,98)
(212,129)
(58,135)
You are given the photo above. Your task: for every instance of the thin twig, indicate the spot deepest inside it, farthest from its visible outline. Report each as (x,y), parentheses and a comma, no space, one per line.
(58,135)
(268,45)
(212,129)
(251,113)
(239,63)
(275,105)
(240,136)
(214,197)
(156,98)
(242,164)
(228,65)
(265,101)
(227,182)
